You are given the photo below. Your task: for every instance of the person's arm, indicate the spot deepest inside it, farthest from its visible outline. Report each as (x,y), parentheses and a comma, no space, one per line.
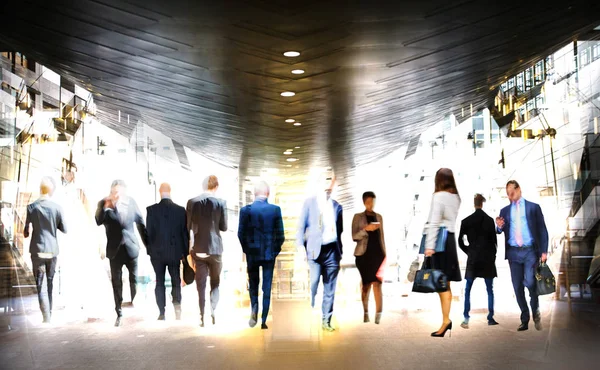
(543,233)
(341,229)
(358,233)
(27,222)
(101,212)
(279,231)
(434,222)
(302,225)
(242,225)
(141,225)
(461,242)
(500,219)
(223,221)
(186,233)
(60,220)
(149,229)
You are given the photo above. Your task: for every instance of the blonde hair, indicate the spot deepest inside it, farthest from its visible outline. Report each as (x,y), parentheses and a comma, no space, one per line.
(210,183)
(47,186)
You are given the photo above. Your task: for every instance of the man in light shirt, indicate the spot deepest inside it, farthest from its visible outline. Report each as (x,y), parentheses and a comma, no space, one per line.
(320,232)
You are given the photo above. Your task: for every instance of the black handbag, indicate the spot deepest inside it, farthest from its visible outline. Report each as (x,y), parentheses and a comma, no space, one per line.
(188,273)
(430,280)
(546,283)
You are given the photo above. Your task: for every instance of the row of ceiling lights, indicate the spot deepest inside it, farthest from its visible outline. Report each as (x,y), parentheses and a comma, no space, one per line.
(292,54)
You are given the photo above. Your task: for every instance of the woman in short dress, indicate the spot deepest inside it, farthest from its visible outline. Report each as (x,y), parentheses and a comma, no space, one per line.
(444,211)
(367,232)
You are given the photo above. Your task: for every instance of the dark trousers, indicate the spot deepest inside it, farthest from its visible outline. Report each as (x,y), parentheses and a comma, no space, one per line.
(116,273)
(522,262)
(254,279)
(160,268)
(489,283)
(43,270)
(205,267)
(328,266)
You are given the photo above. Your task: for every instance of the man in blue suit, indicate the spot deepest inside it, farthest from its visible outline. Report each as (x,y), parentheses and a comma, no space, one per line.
(526,243)
(168,243)
(261,236)
(320,232)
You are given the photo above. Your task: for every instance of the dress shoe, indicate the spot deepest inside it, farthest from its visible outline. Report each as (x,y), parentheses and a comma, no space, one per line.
(214,321)
(537,319)
(264,326)
(378,318)
(441,334)
(118,321)
(327,327)
(161,317)
(366,317)
(524,326)
(465,324)
(201,321)
(253,320)
(177,312)
(492,322)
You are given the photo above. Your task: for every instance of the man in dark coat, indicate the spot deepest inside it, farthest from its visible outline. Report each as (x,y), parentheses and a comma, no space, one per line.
(168,243)
(481,248)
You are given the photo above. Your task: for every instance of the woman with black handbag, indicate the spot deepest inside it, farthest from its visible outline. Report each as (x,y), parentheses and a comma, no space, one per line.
(443,213)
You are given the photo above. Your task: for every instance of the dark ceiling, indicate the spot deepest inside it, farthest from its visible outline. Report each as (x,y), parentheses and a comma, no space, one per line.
(210,73)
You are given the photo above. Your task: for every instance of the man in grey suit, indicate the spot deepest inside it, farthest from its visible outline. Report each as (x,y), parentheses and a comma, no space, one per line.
(46,217)
(206,218)
(168,243)
(320,232)
(118,213)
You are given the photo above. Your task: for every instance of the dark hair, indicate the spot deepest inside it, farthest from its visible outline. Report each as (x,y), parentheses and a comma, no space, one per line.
(367,195)
(513,183)
(444,181)
(479,199)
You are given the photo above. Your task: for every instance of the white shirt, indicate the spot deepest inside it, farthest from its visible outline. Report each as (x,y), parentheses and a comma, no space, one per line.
(444,211)
(328,221)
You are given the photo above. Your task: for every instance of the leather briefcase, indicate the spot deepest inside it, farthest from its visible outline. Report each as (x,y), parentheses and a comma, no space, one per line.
(546,283)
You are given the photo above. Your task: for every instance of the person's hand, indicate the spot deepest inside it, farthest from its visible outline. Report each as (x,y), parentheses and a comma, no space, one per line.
(500,222)
(108,203)
(372,227)
(544,257)
(429,252)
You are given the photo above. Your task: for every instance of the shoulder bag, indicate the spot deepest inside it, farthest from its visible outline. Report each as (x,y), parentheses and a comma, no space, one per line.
(430,280)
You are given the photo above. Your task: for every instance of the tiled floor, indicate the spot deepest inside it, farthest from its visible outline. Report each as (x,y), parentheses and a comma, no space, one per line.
(294,340)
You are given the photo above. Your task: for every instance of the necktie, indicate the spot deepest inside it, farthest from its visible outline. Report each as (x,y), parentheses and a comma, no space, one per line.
(518,233)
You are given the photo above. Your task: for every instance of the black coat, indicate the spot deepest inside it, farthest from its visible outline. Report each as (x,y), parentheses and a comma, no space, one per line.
(480,230)
(168,236)
(119,228)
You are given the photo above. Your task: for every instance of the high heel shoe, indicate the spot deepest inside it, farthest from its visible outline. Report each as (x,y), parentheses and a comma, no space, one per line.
(378,318)
(441,335)
(366,317)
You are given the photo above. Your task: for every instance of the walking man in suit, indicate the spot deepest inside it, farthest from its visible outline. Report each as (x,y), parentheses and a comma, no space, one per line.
(320,232)
(46,217)
(481,251)
(261,236)
(206,218)
(118,212)
(526,243)
(168,243)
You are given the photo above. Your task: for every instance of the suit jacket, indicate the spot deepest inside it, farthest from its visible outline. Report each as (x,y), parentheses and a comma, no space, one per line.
(119,228)
(207,217)
(46,217)
(168,235)
(361,237)
(310,234)
(536,223)
(481,233)
(261,230)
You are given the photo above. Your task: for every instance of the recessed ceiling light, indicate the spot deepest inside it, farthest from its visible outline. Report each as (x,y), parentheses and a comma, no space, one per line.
(297,147)
(288,93)
(292,159)
(290,120)
(298,71)
(291,54)
(297,124)
(287,152)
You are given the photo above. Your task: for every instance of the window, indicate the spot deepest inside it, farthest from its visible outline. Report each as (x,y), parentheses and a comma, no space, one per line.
(504,87)
(539,72)
(528,78)
(530,105)
(549,65)
(539,101)
(585,57)
(596,51)
(520,82)
(511,82)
